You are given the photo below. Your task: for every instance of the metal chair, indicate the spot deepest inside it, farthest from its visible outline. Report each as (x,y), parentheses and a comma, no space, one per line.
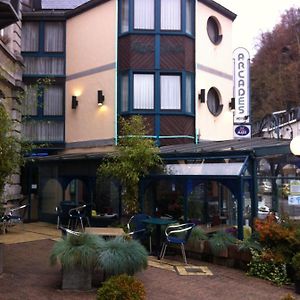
(78,214)
(66,231)
(139,230)
(177,235)
(62,212)
(13,216)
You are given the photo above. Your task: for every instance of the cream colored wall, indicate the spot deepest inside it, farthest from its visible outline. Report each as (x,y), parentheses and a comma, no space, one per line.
(91,43)
(213,66)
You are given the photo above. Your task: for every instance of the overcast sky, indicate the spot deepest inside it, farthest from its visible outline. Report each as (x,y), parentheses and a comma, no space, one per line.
(253,17)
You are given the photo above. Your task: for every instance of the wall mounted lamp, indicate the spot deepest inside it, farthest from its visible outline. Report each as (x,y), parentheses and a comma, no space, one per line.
(201,96)
(100,98)
(74,102)
(232,103)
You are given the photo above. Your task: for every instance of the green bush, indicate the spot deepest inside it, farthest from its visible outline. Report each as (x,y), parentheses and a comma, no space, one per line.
(122,255)
(77,251)
(220,240)
(296,265)
(269,269)
(122,287)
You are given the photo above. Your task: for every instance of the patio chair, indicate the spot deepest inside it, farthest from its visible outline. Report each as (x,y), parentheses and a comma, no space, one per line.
(78,215)
(66,231)
(62,212)
(177,235)
(13,216)
(139,230)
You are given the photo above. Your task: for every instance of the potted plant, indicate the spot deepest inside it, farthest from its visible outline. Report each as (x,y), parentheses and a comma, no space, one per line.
(296,267)
(122,255)
(219,243)
(197,238)
(77,255)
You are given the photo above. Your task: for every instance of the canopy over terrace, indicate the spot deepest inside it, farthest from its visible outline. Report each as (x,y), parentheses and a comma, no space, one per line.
(232,163)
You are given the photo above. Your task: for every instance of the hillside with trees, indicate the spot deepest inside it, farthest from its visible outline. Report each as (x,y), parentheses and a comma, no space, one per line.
(275,69)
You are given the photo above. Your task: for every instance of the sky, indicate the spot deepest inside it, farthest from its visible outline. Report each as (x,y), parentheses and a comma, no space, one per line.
(254,17)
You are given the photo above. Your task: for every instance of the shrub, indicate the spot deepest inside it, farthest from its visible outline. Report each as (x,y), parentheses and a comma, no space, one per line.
(264,266)
(122,287)
(296,265)
(122,255)
(220,241)
(77,251)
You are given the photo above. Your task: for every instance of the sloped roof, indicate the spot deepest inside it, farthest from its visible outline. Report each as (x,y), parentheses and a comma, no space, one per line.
(62,4)
(257,145)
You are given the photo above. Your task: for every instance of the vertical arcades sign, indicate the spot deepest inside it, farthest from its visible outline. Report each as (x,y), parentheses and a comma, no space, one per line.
(241,85)
(241,59)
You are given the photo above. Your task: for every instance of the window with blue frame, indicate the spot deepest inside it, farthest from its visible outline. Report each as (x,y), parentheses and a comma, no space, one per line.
(42,111)
(170,92)
(143,91)
(175,91)
(170,14)
(174,15)
(143,14)
(124,92)
(124,16)
(43,48)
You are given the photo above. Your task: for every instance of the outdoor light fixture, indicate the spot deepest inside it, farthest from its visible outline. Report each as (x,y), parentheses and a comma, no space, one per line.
(232,103)
(100,98)
(201,95)
(295,145)
(74,102)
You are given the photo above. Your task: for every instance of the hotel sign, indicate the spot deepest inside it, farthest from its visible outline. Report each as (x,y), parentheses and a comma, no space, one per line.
(241,59)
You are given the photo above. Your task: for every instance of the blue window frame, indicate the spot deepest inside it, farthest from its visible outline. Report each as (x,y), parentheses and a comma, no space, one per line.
(165,16)
(156,92)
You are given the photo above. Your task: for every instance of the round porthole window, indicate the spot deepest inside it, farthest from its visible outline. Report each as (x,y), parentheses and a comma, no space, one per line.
(213,30)
(213,102)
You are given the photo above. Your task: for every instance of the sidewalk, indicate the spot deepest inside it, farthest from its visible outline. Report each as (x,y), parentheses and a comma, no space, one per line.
(28,275)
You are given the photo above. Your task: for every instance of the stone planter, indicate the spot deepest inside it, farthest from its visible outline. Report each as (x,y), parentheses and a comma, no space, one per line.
(76,279)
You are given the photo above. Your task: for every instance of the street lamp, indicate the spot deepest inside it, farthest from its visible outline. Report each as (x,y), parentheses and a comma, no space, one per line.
(295,145)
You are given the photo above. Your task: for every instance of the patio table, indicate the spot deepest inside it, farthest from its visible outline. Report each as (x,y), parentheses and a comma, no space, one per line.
(158,222)
(105,231)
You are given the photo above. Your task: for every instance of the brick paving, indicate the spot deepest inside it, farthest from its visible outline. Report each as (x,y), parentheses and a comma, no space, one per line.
(28,275)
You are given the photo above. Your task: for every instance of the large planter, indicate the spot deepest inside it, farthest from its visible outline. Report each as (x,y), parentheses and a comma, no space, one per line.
(76,279)
(297,286)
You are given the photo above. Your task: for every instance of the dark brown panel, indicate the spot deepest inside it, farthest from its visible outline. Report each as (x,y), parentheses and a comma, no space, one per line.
(167,142)
(136,52)
(177,53)
(148,121)
(177,125)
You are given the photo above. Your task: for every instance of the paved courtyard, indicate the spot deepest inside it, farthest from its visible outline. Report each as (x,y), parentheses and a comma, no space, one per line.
(28,275)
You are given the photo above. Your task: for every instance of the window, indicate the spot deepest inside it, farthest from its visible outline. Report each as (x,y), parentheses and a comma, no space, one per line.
(143,91)
(30,36)
(125,16)
(54,37)
(189,16)
(124,92)
(188,95)
(213,30)
(144,14)
(30,105)
(213,102)
(170,92)
(53,101)
(170,18)
(44,65)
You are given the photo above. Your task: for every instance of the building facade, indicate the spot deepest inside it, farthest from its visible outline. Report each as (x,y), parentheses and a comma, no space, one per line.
(11,66)
(168,61)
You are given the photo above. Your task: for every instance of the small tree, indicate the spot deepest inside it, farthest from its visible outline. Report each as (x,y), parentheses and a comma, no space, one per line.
(10,154)
(136,155)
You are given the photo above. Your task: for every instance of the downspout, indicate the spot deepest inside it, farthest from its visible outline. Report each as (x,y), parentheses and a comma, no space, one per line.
(116,76)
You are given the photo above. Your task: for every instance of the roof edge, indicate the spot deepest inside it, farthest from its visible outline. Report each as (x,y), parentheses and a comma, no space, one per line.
(83,8)
(219,8)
